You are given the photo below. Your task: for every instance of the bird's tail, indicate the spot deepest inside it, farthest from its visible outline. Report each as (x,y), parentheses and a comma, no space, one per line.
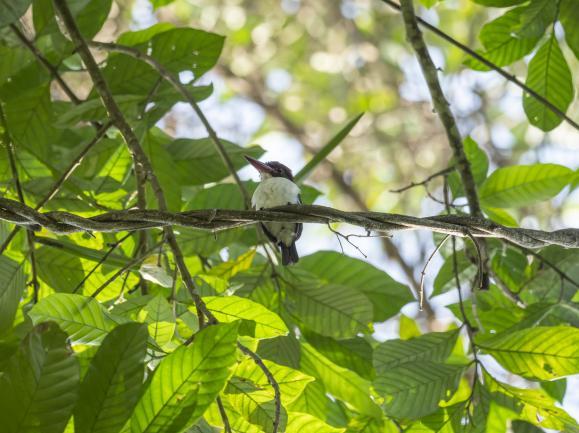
(289,254)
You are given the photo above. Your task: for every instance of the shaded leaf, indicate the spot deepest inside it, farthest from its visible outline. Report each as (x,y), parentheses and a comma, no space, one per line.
(569,16)
(40,384)
(12,10)
(113,382)
(12,285)
(536,17)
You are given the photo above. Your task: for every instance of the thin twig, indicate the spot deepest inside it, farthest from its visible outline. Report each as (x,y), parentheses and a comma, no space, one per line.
(273,383)
(224,417)
(444,172)
(423,272)
(125,268)
(347,239)
(472,53)
(103,259)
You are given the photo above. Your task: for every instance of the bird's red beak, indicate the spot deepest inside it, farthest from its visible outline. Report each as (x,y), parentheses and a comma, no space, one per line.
(258,165)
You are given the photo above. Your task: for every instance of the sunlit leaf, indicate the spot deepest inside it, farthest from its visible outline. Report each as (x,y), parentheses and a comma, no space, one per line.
(84,319)
(265,323)
(186,382)
(543,353)
(12,285)
(521,185)
(549,75)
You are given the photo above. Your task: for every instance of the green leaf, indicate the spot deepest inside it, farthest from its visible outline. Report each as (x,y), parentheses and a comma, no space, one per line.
(305,423)
(500,216)
(291,382)
(541,353)
(91,17)
(569,16)
(266,324)
(501,45)
(186,49)
(160,319)
(445,279)
(353,353)
(536,17)
(386,294)
(329,309)
(160,3)
(61,270)
(479,165)
(327,149)
(546,284)
(113,382)
(39,387)
(414,390)
(81,317)
(549,76)
(93,109)
(186,382)
(521,185)
(499,3)
(197,161)
(340,382)
(531,405)
(434,347)
(12,285)
(12,10)
(312,400)
(30,119)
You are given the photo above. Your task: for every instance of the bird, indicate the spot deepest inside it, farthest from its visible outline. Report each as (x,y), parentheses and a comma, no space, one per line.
(277,188)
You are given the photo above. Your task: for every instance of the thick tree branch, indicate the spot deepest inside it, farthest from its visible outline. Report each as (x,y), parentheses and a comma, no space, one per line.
(15,212)
(441,105)
(477,56)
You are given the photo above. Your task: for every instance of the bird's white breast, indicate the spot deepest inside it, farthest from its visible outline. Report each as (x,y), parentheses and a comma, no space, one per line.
(275,191)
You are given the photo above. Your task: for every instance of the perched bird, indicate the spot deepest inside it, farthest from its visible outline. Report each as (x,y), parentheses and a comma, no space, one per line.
(277,188)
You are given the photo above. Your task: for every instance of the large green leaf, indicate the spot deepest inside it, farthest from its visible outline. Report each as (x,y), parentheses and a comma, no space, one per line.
(542,353)
(299,422)
(187,50)
(446,280)
(329,309)
(521,185)
(413,390)
(569,17)
(39,386)
(501,45)
(186,382)
(12,285)
(30,118)
(265,323)
(12,10)
(549,75)
(84,319)
(531,405)
(340,382)
(113,382)
(479,165)
(386,294)
(536,17)
(353,353)
(434,346)
(546,284)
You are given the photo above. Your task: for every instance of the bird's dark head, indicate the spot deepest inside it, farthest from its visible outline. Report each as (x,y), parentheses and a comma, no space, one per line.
(270,169)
